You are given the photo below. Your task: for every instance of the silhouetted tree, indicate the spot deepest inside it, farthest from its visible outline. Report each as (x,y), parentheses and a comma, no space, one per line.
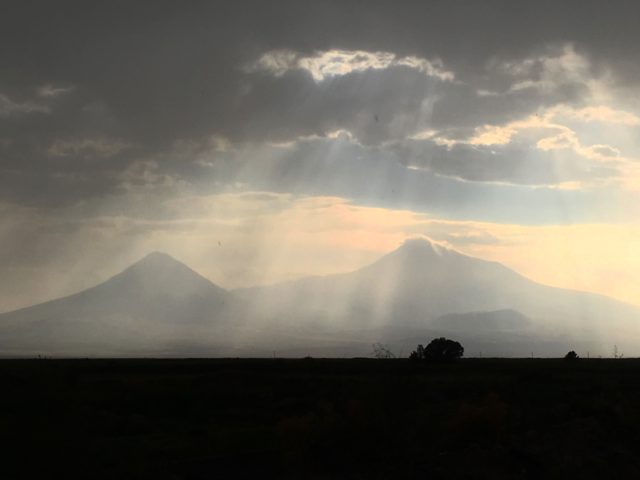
(381,351)
(571,356)
(443,349)
(439,349)
(417,354)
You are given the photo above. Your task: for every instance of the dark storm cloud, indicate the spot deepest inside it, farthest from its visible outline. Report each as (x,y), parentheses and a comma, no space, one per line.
(335,167)
(148,75)
(375,106)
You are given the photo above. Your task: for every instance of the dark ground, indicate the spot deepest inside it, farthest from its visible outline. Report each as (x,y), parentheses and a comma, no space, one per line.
(313,418)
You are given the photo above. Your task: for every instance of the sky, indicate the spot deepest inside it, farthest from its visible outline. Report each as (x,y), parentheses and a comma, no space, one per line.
(266,141)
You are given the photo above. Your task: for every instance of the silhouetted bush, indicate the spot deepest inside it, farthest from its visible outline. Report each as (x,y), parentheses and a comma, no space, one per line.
(439,349)
(571,356)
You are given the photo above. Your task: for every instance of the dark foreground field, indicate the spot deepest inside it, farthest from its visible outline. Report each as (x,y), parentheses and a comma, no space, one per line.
(165,419)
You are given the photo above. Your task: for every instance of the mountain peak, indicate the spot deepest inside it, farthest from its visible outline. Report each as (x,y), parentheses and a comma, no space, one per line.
(415,252)
(160,271)
(421,246)
(157,257)
(158,261)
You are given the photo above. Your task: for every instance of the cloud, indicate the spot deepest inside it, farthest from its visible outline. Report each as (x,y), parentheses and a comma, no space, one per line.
(98,147)
(10,107)
(385,103)
(49,91)
(374,105)
(516,164)
(516,182)
(544,132)
(598,113)
(550,72)
(327,64)
(493,135)
(380,80)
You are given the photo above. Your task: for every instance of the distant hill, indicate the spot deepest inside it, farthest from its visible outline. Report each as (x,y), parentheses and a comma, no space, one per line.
(159,306)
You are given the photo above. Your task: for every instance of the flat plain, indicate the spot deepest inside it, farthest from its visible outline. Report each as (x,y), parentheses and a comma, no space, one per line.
(320,418)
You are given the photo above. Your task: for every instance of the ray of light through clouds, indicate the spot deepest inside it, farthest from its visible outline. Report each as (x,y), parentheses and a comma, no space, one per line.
(261,144)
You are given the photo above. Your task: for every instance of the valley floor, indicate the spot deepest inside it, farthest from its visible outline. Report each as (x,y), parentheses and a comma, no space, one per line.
(320,418)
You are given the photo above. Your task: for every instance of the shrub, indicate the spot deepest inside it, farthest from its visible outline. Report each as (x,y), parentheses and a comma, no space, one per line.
(571,356)
(439,349)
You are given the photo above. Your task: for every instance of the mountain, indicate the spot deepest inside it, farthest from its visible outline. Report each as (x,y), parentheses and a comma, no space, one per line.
(492,322)
(411,288)
(156,301)
(159,306)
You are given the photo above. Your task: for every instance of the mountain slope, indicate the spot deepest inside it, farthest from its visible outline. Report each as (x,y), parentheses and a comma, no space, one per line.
(420,281)
(155,300)
(487,322)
